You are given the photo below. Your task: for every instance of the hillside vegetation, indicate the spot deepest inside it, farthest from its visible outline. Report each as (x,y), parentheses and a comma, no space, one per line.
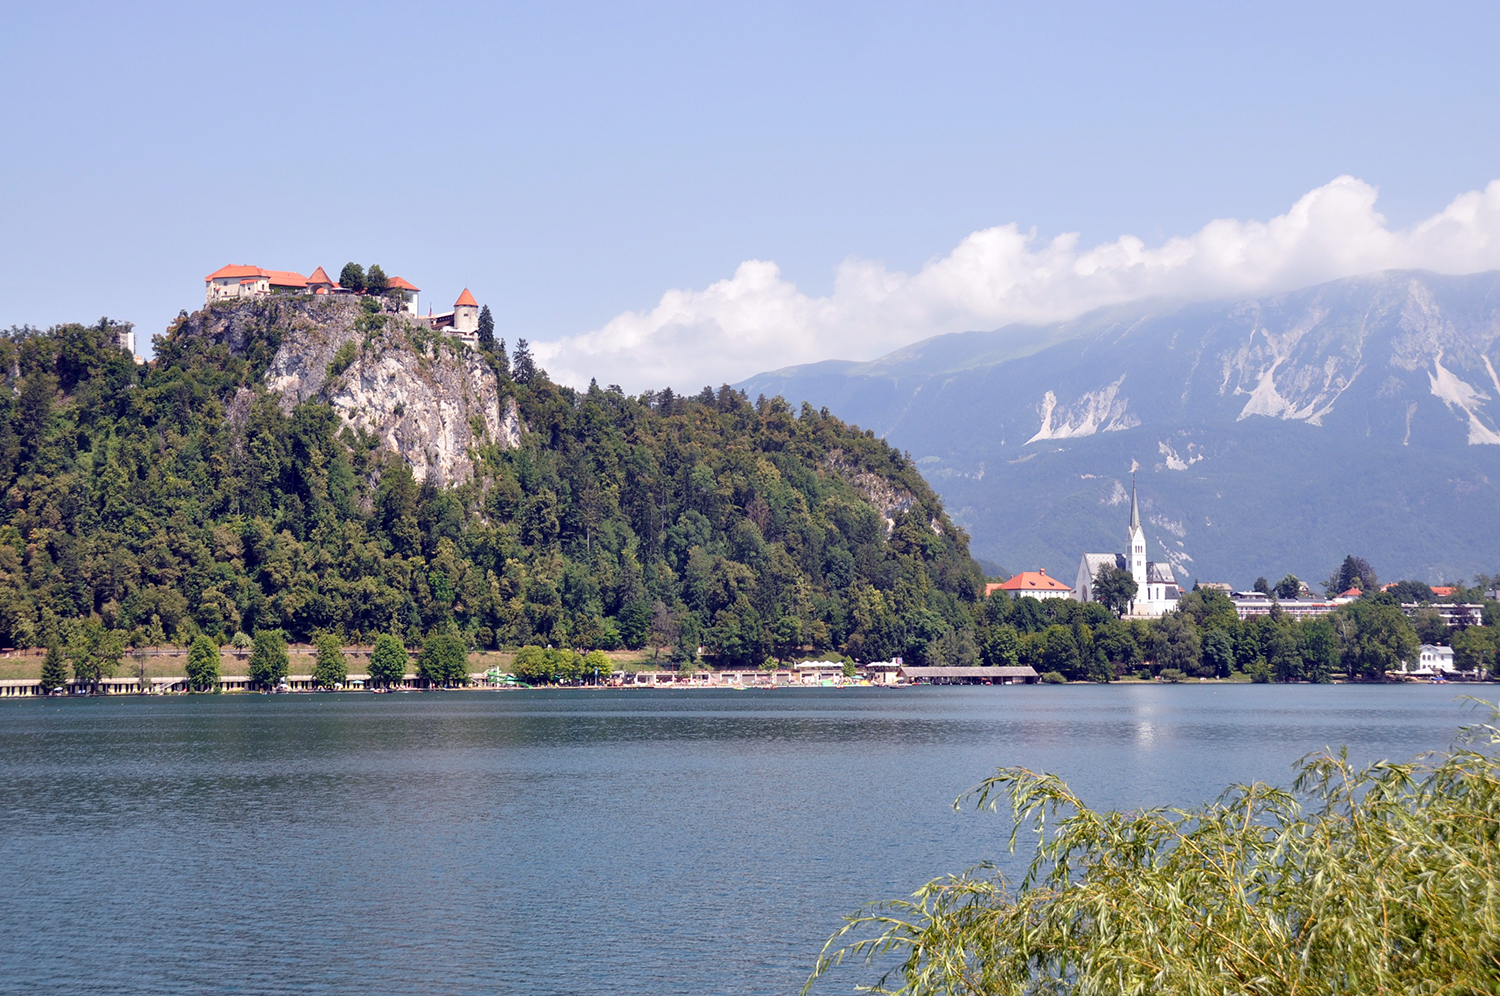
(183,498)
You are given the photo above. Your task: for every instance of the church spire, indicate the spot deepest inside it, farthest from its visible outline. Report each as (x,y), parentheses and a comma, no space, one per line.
(1135,510)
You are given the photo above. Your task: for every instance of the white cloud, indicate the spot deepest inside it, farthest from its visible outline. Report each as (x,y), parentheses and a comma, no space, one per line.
(755,320)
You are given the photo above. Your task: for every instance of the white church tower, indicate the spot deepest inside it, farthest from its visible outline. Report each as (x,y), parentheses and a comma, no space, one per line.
(1137,546)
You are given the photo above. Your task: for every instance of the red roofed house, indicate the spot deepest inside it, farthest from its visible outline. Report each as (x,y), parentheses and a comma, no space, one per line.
(230,282)
(1037,584)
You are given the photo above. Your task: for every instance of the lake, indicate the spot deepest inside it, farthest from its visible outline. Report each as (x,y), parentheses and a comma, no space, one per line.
(569,841)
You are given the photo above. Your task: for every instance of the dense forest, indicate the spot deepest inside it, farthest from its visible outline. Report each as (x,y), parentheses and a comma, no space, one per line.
(137,509)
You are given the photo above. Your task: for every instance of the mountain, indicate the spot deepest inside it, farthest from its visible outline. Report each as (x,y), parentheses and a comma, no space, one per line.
(1272,435)
(332,465)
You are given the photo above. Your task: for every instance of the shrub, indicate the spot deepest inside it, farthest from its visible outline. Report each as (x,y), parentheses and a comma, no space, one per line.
(1053,678)
(1378,880)
(1173,675)
(341,359)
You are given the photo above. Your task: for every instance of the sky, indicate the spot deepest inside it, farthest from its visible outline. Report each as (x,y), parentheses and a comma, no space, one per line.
(687,194)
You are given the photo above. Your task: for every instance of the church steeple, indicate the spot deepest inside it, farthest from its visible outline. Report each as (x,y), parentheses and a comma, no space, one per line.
(1137,555)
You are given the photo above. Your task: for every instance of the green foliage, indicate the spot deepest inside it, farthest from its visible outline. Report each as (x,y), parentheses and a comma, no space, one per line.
(269,663)
(537,666)
(444,661)
(54,670)
(487,330)
(656,520)
(849,670)
(1289,587)
(93,650)
(203,664)
(1053,678)
(1375,880)
(1173,675)
(332,668)
(388,660)
(1114,588)
(342,357)
(376,282)
(352,277)
(1373,638)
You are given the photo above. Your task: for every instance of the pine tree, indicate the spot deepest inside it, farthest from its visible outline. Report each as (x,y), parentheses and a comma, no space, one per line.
(486,330)
(523,369)
(502,361)
(54,670)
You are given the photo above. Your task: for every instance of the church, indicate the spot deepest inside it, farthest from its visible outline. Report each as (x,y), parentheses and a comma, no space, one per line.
(1156,586)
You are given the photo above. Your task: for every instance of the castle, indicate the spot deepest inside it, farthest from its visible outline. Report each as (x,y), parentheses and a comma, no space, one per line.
(232,282)
(1156,587)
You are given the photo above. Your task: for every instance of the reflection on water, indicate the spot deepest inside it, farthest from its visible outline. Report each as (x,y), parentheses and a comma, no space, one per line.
(655,842)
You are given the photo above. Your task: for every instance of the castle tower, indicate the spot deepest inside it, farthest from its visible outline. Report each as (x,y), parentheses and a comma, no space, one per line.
(466,315)
(1137,546)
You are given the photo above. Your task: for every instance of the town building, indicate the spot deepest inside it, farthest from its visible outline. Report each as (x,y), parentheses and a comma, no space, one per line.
(1249,604)
(1467,614)
(1035,584)
(1155,584)
(229,283)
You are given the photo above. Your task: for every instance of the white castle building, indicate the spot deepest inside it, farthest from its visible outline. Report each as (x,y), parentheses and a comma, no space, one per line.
(1155,585)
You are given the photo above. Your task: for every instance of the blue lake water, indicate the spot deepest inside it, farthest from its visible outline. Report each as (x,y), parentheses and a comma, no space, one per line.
(571,841)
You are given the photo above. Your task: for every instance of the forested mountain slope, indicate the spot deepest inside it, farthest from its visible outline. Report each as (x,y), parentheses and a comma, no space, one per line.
(1273,435)
(248,481)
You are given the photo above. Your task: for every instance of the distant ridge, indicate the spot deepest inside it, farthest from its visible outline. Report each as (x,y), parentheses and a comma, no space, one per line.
(1274,434)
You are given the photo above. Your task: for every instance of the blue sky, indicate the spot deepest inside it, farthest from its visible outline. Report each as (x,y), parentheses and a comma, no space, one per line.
(573,164)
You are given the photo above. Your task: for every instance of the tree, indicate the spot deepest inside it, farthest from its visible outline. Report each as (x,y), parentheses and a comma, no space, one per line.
(1319,650)
(635,624)
(443,661)
(665,627)
(388,661)
(596,664)
(1354,572)
(1412,591)
(1002,648)
(376,282)
(486,330)
(1283,653)
(522,366)
(1289,588)
(1474,649)
(203,664)
(1114,588)
(331,669)
(94,651)
(269,663)
(1373,639)
(352,278)
(1263,586)
(1175,643)
(54,670)
(1218,652)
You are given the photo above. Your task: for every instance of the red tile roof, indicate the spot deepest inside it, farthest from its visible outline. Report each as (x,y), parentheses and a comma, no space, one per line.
(1034,581)
(400,283)
(320,277)
(466,298)
(1443,591)
(1350,593)
(241,270)
(285,278)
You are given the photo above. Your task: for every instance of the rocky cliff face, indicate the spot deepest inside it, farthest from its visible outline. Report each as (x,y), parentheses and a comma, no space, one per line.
(424,394)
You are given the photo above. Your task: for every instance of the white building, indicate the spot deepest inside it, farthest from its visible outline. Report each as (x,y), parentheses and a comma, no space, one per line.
(1431,660)
(462,321)
(1156,590)
(1034,584)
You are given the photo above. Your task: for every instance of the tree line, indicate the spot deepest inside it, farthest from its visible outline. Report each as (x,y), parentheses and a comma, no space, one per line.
(139,513)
